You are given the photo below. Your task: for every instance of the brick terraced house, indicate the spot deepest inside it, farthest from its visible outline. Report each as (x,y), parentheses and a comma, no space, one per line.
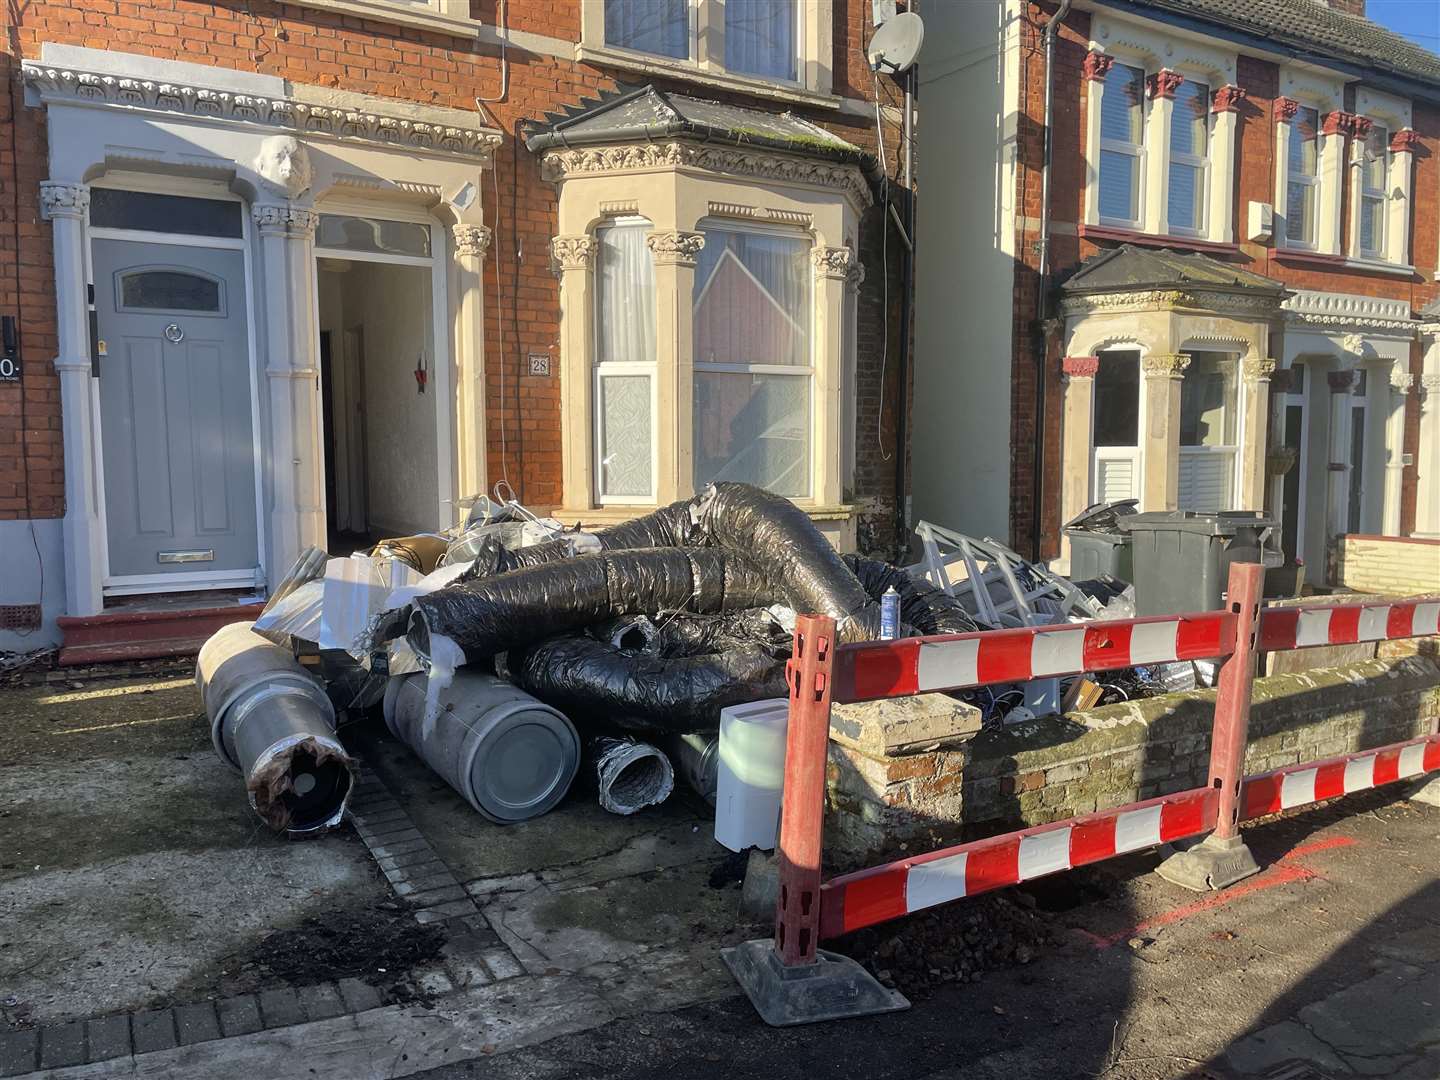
(1220,292)
(290,273)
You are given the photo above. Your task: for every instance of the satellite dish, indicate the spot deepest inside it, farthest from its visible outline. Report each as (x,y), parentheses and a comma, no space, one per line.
(897,43)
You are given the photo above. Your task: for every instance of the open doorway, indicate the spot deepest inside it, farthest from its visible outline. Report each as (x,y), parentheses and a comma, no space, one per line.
(381,401)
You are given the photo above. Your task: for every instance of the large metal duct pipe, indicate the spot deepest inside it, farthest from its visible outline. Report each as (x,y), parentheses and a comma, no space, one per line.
(273,722)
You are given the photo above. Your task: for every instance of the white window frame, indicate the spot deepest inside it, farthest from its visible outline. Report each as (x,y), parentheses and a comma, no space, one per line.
(706,61)
(1381,250)
(602,369)
(1136,150)
(1313,182)
(446,16)
(809,371)
(1201,230)
(1133,454)
(1228,450)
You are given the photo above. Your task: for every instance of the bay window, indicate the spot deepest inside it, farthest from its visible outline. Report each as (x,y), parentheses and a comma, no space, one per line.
(624,383)
(1374,172)
(1117,426)
(1302,178)
(1209,432)
(753,365)
(1189,158)
(1122,137)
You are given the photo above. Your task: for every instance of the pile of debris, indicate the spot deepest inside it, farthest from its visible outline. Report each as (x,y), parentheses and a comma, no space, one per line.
(506,651)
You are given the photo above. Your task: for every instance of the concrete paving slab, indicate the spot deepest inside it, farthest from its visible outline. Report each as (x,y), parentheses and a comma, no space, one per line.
(107,1037)
(239,1015)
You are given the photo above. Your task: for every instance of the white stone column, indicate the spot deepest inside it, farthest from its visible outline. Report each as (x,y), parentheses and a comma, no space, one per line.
(1401,382)
(1427,503)
(1224,106)
(1401,179)
(1285,112)
(1334,128)
(1255,375)
(1161,88)
(292,376)
(470,243)
(1077,438)
(1337,500)
(832,267)
(65,206)
(1163,373)
(674,254)
(574,260)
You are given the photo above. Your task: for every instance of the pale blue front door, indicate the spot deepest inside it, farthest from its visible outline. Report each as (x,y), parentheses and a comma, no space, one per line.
(175,410)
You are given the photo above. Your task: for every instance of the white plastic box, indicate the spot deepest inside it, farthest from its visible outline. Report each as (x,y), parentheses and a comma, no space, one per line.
(751,776)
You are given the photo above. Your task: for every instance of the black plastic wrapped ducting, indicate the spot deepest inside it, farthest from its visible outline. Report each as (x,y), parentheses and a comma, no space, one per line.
(923,608)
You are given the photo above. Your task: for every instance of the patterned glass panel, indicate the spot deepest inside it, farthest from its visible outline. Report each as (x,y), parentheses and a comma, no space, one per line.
(169,290)
(625,458)
(753,428)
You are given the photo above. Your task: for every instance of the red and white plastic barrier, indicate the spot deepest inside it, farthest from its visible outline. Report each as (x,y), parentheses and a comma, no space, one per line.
(1316,781)
(1346,624)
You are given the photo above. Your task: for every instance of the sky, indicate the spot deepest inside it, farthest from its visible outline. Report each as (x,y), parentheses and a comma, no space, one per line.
(1418,20)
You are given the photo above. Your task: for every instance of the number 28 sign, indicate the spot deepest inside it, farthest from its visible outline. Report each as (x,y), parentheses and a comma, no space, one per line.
(9,369)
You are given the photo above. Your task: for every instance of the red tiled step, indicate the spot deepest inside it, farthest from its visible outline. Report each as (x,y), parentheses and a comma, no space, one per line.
(144,635)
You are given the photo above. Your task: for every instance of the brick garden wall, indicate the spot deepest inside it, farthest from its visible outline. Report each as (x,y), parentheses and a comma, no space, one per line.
(1389,566)
(882,806)
(1254,181)
(327,49)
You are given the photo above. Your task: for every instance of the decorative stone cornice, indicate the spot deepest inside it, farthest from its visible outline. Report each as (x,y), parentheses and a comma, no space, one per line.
(572,252)
(855,275)
(285,114)
(1338,122)
(471,241)
(1164,83)
(831,262)
(283,220)
(1360,127)
(1405,141)
(1164,365)
(63,200)
(559,165)
(1097,65)
(1080,367)
(1402,382)
(1255,369)
(675,248)
(1228,99)
(1346,311)
(1244,304)
(1285,109)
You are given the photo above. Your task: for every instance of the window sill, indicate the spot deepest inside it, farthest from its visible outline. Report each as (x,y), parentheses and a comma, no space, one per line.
(399,15)
(1130,236)
(677,69)
(1341,262)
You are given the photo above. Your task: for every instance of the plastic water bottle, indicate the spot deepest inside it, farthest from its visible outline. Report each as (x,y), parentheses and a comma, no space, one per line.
(890,615)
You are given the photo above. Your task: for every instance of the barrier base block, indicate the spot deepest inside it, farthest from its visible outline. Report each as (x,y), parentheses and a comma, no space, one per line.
(1428,792)
(834,987)
(1214,863)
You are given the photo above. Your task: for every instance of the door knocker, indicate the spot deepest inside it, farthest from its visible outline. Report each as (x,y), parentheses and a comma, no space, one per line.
(174,334)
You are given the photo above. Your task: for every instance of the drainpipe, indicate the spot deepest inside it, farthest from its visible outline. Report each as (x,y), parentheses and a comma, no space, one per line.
(1037,511)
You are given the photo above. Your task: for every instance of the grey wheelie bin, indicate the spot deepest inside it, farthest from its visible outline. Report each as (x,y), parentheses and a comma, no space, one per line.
(1182,557)
(1098,547)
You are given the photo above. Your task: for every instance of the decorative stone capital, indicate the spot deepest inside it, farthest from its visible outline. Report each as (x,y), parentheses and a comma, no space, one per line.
(284,220)
(471,241)
(1080,367)
(855,275)
(59,200)
(831,262)
(1228,99)
(1338,122)
(1430,384)
(1360,127)
(1405,141)
(1257,369)
(1164,83)
(1285,109)
(1402,382)
(1341,381)
(1097,65)
(1165,365)
(677,248)
(572,253)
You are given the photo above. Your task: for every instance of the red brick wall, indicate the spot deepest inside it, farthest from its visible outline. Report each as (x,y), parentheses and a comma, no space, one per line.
(327,49)
(1254,181)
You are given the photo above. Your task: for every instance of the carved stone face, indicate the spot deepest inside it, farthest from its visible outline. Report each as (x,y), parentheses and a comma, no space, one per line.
(284,165)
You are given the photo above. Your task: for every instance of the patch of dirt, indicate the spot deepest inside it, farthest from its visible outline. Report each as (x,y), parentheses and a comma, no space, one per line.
(380,945)
(953,943)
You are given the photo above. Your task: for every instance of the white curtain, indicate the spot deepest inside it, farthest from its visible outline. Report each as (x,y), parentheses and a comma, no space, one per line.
(653,26)
(760,37)
(625,281)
